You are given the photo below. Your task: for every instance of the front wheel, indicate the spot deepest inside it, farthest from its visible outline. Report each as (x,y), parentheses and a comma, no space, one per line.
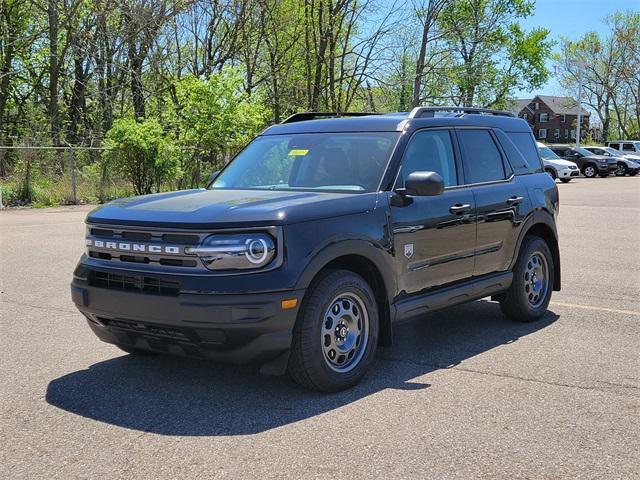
(528,297)
(565,180)
(336,333)
(589,171)
(552,173)
(622,170)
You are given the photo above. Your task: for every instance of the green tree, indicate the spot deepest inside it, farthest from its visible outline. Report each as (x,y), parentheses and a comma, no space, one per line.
(491,55)
(142,154)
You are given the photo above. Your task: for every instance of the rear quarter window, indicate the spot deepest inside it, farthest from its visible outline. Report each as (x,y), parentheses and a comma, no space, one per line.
(525,159)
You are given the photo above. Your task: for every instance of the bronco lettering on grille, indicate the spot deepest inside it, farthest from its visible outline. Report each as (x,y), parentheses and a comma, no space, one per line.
(133,247)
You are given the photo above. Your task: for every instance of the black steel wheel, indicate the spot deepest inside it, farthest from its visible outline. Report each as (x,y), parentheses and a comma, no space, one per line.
(336,333)
(530,293)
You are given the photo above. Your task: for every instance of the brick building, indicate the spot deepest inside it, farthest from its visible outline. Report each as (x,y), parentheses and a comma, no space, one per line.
(552,119)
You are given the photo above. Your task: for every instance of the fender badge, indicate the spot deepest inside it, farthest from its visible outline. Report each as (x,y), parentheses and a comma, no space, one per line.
(408,250)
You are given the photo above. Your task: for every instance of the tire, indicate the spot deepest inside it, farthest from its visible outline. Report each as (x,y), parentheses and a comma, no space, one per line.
(565,180)
(524,302)
(622,170)
(328,307)
(136,351)
(633,174)
(589,171)
(552,173)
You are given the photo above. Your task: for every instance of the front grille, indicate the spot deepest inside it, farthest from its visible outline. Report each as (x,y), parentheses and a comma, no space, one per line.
(134,283)
(103,240)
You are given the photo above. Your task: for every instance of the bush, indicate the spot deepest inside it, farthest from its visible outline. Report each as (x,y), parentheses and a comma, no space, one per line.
(141,153)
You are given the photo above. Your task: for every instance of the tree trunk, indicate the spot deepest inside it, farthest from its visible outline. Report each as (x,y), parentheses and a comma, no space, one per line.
(54,72)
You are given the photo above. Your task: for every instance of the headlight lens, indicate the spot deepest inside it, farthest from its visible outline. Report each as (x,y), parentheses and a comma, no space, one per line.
(235,251)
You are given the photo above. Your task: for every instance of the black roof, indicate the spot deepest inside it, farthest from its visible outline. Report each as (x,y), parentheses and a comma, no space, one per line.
(402,121)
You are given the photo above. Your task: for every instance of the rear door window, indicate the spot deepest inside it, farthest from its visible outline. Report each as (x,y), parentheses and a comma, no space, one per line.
(521,151)
(482,159)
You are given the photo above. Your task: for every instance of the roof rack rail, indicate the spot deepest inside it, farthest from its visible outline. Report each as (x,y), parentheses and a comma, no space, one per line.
(303,116)
(431,111)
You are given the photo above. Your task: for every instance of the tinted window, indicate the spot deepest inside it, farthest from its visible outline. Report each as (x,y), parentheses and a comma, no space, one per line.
(560,151)
(615,145)
(527,147)
(431,151)
(483,162)
(627,147)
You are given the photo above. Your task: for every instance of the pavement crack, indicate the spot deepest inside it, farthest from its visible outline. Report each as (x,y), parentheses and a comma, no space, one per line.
(41,307)
(514,377)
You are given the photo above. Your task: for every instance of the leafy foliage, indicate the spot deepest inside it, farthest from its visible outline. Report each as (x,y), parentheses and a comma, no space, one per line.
(141,153)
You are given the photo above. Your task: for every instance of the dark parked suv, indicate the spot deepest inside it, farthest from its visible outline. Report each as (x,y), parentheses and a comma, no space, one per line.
(306,249)
(589,163)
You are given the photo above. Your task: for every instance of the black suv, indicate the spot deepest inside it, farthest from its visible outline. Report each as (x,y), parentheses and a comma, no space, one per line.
(321,234)
(589,163)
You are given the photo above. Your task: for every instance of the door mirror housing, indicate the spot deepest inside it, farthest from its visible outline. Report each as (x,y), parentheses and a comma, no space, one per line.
(424,184)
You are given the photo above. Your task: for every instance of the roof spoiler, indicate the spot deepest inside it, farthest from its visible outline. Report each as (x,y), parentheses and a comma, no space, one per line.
(303,116)
(419,112)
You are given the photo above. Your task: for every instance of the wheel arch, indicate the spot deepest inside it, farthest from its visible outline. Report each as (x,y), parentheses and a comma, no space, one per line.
(541,224)
(366,260)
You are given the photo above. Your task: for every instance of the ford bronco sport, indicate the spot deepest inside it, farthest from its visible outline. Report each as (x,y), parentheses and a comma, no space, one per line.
(321,234)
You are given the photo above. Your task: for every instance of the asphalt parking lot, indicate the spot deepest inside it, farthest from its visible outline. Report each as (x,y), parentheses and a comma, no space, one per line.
(462,393)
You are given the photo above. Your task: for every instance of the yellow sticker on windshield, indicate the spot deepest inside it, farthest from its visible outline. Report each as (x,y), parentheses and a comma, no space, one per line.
(298,152)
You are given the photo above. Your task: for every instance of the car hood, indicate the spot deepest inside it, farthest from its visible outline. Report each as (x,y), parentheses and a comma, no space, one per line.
(602,157)
(221,208)
(558,162)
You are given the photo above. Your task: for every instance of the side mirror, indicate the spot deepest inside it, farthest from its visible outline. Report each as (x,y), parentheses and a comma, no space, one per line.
(424,184)
(213,176)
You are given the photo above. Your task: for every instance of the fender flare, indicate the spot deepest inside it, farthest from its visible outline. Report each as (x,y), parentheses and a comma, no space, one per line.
(537,218)
(335,248)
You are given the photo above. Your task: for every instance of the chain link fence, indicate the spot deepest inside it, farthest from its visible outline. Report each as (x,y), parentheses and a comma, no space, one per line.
(50,176)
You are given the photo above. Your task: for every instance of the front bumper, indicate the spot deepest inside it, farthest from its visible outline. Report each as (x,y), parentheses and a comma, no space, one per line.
(136,312)
(568,173)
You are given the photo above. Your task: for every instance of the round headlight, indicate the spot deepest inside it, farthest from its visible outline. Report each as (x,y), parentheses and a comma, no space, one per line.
(257,250)
(235,251)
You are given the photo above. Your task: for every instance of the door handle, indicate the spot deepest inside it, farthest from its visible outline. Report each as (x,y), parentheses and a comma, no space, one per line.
(514,200)
(459,208)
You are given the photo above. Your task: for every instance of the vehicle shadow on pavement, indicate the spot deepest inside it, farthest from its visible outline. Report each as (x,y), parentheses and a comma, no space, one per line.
(178,396)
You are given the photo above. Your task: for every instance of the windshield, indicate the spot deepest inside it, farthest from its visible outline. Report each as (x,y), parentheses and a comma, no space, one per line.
(583,151)
(350,162)
(612,151)
(547,154)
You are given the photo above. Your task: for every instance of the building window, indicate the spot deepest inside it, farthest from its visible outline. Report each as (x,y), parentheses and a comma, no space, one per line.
(537,105)
(544,117)
(524,116)
(563,118)
(542,133)
(556,134)
(573,133)
(566,133)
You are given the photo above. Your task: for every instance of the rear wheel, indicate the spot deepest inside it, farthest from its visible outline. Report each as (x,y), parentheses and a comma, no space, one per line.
(589,171)
(622,170)
(336,334)
(528,297)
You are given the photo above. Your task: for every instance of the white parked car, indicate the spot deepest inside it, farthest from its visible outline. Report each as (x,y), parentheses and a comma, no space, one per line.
(630,147)
(556,166)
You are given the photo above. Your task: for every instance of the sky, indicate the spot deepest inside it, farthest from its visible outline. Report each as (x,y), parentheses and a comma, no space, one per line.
(570,19)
